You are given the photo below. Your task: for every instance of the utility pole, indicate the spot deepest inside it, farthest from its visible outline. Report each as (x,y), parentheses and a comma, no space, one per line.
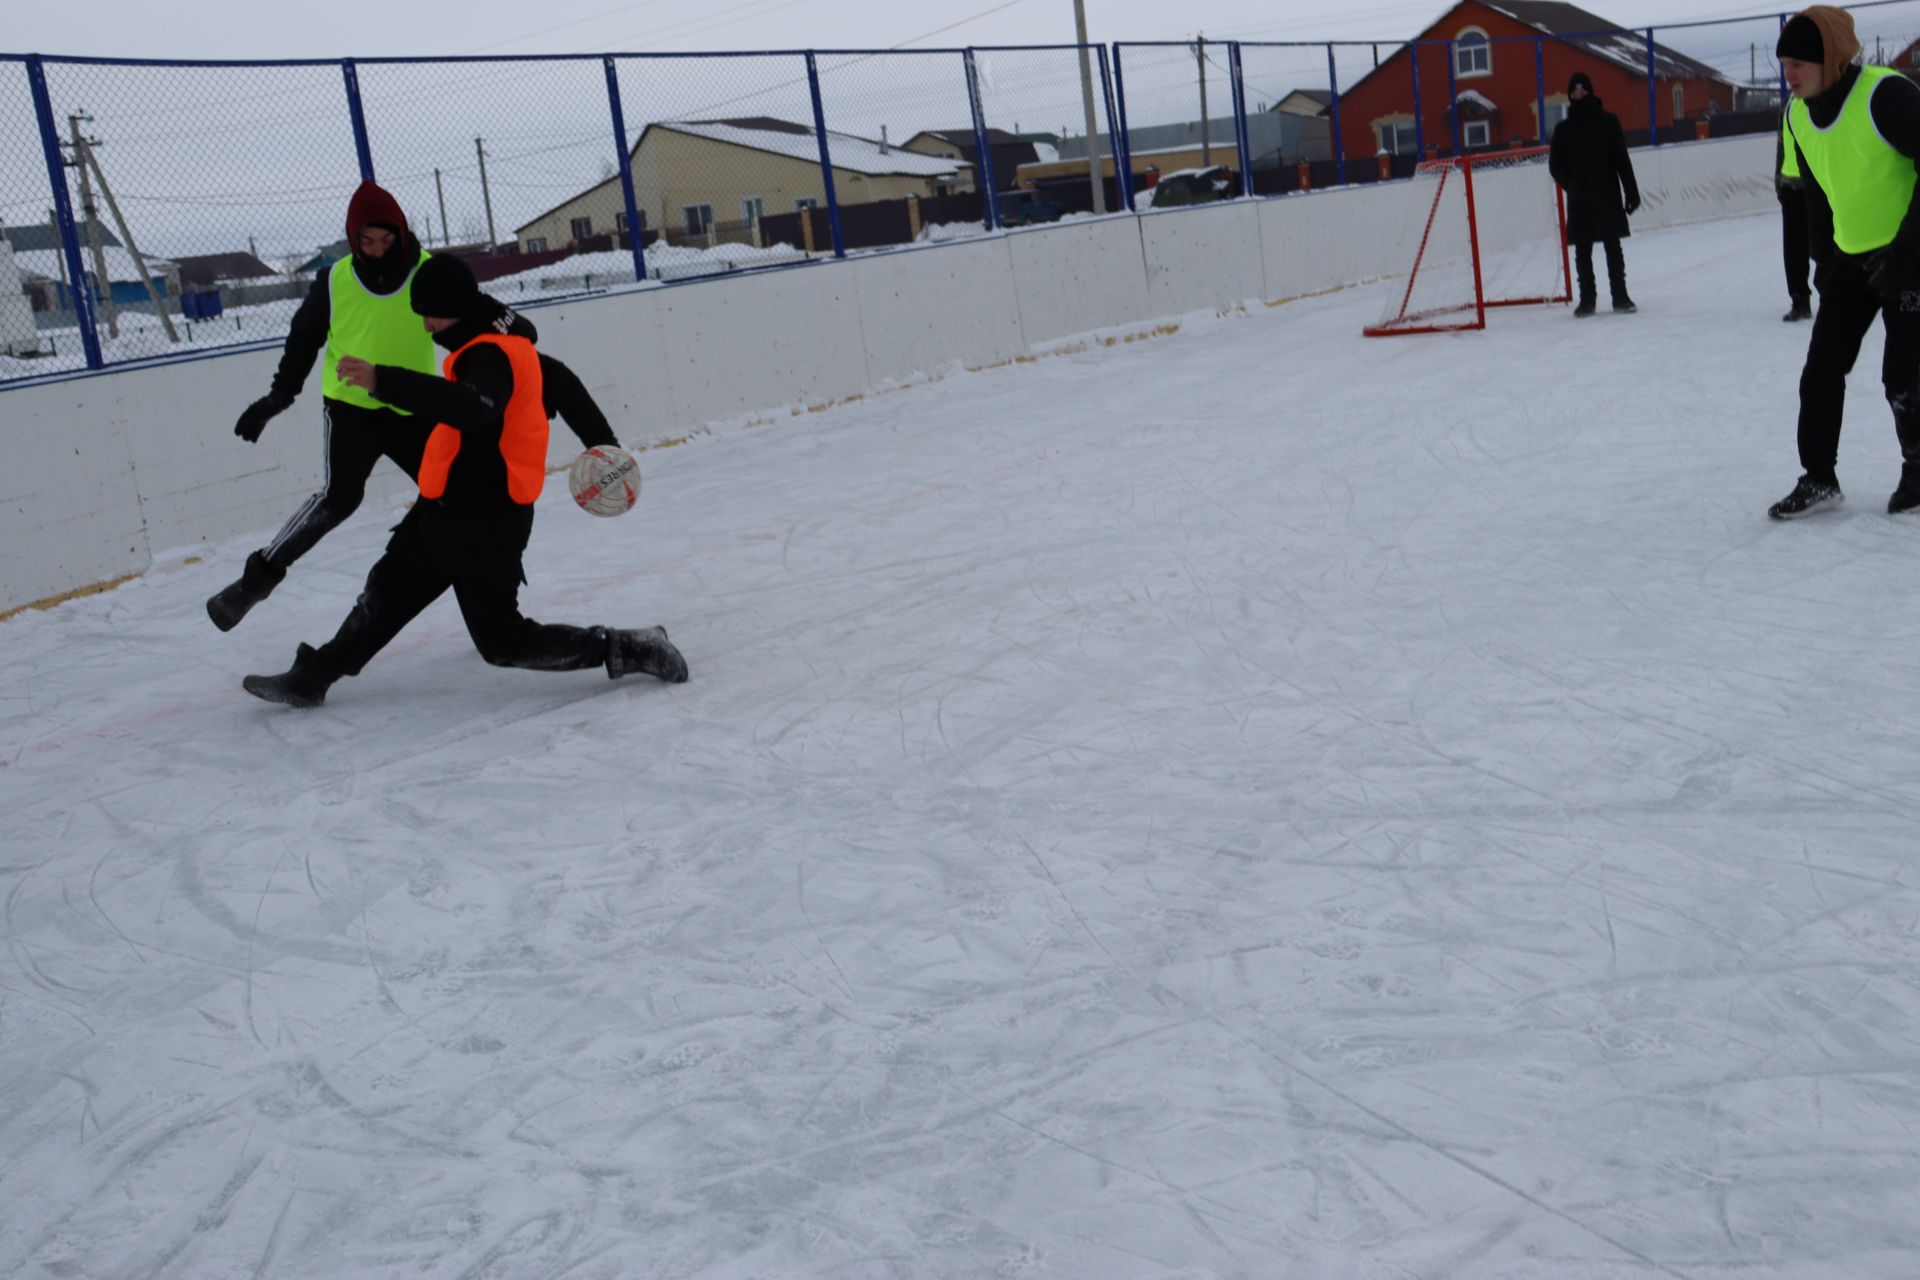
(126,237)
(102,281)
(486,196)
(1092,122)
(446,237)
(1206,134)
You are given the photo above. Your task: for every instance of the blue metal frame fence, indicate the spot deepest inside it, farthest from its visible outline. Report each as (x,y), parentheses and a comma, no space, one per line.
(1121,121)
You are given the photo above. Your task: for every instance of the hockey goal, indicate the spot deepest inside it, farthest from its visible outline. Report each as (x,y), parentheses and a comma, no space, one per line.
(1479,231)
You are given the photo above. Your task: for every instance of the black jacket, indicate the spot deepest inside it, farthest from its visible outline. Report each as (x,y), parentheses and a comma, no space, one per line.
(1896,114)
(1588,158)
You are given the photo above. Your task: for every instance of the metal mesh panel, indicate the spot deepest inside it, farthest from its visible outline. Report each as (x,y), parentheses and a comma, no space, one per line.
(32,271)
(1179,114)
(900,130)
(511,163)
(724,159)
(222,180)
(1036,95)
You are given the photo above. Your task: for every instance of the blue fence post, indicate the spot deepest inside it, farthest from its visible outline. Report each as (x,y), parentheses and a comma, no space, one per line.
(1653,93)
(1339,143)
(1114,89)
(1241,133)
(1419,116)
(983,153)
(63,212)
(636,230)
(826,156)
(1453,94)
(1540,85)
(358,116)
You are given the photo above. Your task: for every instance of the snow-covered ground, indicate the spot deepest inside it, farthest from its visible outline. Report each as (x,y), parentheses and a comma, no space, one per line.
(1257,802)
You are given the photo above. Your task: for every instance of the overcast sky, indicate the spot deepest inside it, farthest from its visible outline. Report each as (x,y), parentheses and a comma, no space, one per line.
(248,29)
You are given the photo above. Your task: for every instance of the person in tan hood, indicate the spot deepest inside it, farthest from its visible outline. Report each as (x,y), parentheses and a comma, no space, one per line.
(1854,137)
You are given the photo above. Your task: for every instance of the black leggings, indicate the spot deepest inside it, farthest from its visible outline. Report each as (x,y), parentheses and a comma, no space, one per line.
(1847,310)
(356,438)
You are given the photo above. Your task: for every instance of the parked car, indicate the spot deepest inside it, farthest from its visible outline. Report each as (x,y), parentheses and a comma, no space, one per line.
(1026,208)
(1193,186)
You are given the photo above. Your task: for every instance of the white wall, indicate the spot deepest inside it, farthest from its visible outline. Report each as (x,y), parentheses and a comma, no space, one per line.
(104,471)
(17,331)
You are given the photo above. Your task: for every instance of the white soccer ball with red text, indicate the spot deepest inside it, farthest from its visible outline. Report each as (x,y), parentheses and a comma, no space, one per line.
(605,480)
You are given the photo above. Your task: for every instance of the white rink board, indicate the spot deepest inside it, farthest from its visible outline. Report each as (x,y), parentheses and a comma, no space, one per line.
(668,360)
(1078,276)
(1202,257)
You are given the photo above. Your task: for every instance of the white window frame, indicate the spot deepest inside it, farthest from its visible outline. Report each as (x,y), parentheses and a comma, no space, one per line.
(701,214)
(620,223)
(1474,59)
(1556,113)
(1392,133)
(805,202)
(579,228)
(752,209)
(1466,134)
(537,244)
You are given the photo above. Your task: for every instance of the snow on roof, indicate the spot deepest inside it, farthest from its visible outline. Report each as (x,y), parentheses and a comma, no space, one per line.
(859,155)
(1477,98)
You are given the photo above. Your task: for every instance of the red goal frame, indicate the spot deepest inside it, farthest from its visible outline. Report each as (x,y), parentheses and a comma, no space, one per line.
(1461,169)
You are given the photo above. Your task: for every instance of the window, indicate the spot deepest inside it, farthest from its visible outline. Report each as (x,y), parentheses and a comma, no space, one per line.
(752,209)
(620,222)
(1472,55)
(806,202)
(1556,112)
(1679,100)
(1478,134)
(581,228)
(537,245)
(698,218)
(1397,139)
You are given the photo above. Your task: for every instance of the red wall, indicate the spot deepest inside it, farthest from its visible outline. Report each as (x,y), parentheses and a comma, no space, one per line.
(1512,86)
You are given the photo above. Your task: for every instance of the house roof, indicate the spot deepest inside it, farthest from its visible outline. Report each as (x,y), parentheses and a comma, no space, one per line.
(41,235)
(205,268)
(1624,49)
(1321,97)
(964,137)
(1602,38)
(791,141)
(48,264)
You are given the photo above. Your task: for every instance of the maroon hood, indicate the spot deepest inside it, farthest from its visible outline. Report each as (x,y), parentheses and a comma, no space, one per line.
(374,205)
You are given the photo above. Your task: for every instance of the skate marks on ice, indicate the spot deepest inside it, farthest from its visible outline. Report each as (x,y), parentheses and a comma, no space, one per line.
(1200,821)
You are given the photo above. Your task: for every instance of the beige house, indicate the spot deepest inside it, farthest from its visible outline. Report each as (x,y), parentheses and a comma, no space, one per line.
(711,181)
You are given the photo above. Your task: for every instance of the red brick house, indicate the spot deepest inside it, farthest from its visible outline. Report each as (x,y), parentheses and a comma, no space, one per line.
(1496,87)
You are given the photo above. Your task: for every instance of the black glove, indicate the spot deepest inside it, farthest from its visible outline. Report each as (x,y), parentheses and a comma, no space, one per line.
(254,418)
(1892,272)
(1633,205)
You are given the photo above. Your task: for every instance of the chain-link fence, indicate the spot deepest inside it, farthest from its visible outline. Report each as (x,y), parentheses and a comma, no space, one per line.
(153,208)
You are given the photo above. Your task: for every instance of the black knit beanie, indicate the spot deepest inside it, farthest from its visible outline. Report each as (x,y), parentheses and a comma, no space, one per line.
(444,287)
(1800,39)
(1581,79)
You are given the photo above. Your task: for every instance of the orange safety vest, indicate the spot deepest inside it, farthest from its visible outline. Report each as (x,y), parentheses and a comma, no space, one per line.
(523,434)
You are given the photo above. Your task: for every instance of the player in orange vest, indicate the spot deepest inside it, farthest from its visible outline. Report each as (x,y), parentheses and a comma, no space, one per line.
(484,464)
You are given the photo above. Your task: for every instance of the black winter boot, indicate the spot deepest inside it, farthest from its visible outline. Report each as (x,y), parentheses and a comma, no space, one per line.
(230,604)
(1808,496)
(303,685)
(1802,309)
(1907,496)
(647,651)
(1624,305)
(1585,308)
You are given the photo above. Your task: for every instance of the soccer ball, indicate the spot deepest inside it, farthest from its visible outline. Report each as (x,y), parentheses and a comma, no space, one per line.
(605,480)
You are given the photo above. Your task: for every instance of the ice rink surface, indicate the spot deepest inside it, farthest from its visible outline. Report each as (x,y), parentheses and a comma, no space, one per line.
(1259,802)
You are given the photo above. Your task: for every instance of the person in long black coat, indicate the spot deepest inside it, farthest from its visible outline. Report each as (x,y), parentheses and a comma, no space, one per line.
(1588,158)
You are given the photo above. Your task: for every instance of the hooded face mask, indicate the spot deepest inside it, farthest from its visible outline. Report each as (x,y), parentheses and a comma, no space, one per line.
(373,207)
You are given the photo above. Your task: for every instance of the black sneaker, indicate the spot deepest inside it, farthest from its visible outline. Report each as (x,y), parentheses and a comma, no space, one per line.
(1624,306)
(303,685)
(1808,496)
(1802,309)
(646,651)
(230,604)
(1584,310)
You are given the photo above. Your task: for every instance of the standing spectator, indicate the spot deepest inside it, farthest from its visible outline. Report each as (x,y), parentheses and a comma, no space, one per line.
(1589,160)
(1855,136)
(1793,224)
